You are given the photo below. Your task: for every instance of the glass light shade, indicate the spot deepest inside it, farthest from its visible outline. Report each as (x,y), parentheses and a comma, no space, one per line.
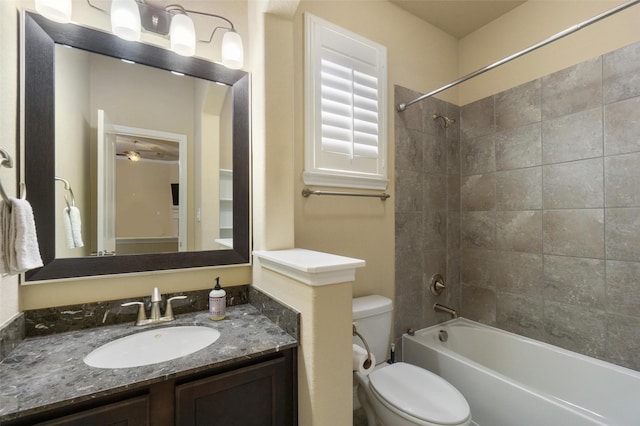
(56,10)
(183,35)
(125,19)
(232,50)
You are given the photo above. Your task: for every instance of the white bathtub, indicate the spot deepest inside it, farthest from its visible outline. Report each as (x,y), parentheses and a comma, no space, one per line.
(510,380)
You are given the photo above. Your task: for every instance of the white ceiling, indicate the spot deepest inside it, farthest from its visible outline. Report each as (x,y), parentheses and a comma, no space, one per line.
(458,17)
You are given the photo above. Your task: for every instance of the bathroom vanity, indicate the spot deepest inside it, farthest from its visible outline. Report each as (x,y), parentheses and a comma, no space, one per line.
(247,376)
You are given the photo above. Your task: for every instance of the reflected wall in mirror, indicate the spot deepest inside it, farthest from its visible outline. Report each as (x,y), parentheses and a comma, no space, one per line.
(185,148)
(200,216)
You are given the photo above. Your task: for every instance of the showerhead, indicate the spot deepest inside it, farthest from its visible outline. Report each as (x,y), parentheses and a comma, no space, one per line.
(448,122)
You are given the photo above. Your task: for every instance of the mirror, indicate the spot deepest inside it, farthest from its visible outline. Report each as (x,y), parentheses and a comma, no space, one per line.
(46,157)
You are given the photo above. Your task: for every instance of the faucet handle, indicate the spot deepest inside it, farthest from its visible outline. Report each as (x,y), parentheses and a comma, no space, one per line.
(142,316)
(168,313)
(155,295)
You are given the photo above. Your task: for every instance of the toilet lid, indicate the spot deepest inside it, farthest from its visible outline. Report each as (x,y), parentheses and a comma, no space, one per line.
(420,393)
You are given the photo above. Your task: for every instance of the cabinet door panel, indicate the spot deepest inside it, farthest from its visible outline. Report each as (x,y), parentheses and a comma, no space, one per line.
(249,396)
(132,412)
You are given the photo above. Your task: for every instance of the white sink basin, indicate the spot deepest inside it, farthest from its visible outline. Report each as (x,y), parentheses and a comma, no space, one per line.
(152,346)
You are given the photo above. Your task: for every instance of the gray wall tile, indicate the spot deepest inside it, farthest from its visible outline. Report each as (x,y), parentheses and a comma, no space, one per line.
(519,106)
(434,229)
(623,234)
(623,288)
(519,231)
(478,192)
(572,137)
(622,126)
(575,328)
(478,230)
(478,267)
(624,340)
(577,184)
(408,195)
(434,188)
(621,73)
(573,89)
(477,119)
(477,156)
(575,280)
(411,118)
(519,189)
(519,273)
(478,304)
(519,147)
(622,179)
(521,315)
(577,233)
(409,145)
(434,158)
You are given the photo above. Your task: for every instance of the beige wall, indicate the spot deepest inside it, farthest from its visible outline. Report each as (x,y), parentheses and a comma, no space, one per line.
(531,23)
(419,56)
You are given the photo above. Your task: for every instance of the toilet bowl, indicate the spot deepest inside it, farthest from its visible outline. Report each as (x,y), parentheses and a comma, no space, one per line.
(401,394)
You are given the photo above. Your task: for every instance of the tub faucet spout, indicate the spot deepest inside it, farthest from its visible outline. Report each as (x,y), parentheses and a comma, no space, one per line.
(441,308)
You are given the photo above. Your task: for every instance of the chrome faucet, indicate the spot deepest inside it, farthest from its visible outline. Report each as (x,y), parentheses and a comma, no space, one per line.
(441,308)
(156,299)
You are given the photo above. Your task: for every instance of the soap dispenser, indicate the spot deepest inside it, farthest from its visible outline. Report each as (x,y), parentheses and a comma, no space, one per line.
(217,302)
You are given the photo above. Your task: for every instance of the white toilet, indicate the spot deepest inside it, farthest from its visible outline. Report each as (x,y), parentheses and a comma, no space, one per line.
(400,394)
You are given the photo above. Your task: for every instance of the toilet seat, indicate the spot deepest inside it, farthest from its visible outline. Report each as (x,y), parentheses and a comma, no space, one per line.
(411,391)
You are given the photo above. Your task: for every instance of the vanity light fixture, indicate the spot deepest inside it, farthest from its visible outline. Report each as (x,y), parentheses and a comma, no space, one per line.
(56,10)
(130,17)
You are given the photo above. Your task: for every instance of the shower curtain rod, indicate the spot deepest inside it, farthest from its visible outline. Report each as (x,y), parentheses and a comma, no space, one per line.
(403,106)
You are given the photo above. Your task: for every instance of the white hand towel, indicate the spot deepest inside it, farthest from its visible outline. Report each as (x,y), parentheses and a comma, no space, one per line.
(5,218)
(68,233)
(73,227)
(21,249)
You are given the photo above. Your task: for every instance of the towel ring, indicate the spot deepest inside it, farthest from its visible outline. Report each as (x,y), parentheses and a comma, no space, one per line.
(67,186)
(7,162)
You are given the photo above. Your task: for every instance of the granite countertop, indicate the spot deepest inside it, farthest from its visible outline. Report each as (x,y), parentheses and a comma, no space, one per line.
(43,373)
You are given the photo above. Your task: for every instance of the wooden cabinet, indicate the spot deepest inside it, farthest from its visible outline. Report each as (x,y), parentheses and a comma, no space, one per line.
(256,392)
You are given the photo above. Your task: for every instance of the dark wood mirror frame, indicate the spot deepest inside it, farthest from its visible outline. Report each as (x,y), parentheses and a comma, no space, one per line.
(40,37)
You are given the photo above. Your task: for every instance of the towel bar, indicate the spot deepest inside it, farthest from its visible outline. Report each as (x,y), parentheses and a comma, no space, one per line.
(307,192)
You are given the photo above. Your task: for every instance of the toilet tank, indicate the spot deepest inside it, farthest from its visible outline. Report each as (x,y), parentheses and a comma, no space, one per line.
(372,316)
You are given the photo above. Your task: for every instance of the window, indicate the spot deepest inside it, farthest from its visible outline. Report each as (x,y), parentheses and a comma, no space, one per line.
(345,100)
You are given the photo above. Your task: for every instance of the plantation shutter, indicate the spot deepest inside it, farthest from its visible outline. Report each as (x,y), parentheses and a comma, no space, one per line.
(346,101)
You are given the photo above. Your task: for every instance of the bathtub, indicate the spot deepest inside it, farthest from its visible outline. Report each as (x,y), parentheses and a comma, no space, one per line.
(510,380)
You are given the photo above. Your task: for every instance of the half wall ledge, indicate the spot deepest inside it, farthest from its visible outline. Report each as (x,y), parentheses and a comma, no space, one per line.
(310,267)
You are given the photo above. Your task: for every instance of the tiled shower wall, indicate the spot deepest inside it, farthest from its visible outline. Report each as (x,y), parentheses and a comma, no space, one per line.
(549,213)
(427,211)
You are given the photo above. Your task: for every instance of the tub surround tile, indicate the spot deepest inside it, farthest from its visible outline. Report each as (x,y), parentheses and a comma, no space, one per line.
(519,231)
(477,156)
(519,274)
(40,322)
(519,106)
(47,372)
(434,155)
(577,233)
(621,73)
(572,89)
(410,147)
(519,189)
(574,185)
(575,280)
(435,192)
(623,234)
(478,230)
(411,118)
(520,314)
(434,230)
(453,156)
(453,193)
(11,334)
(622,126)
(622,175)
(478,304)
(477,119)
(409,193)
(478,192)
(573,137)
(575,328)
(623,340)
(478,267)
(623,288)
(519,147)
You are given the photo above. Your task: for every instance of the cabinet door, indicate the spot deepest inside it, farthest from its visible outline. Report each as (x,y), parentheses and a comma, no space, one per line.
(250,396)
(131,412)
